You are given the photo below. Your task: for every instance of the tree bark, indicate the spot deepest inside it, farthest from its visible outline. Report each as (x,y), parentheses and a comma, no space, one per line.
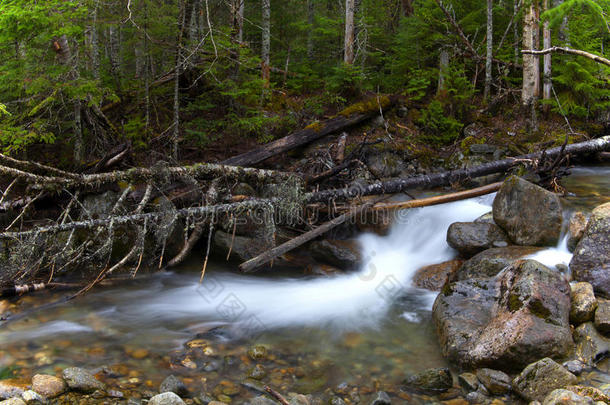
(310,23)
(314,131)
(115,47)
(443,65)
(489,54)
(596,58)
(531,69)
(407,7)
(266,42)
(546,71)
(348,53)
(455,176)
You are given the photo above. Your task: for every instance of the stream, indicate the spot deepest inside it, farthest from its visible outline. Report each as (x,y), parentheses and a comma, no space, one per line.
(348,335)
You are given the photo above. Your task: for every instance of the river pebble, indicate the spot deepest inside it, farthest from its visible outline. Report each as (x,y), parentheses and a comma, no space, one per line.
(48,385)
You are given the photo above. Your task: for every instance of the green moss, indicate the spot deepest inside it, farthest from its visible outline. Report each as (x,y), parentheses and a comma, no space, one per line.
(447,289)
(316,126)
(366,106)
(514,303)
(538,309)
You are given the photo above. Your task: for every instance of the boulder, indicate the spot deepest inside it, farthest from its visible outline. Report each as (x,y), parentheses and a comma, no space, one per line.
(81,380)
(470,238)
(594,393)
(243,248)
(591,346)
(591,260)
(602,316)
(490,262)
(344,254)
(431,381)
(435,276)
(507,321)
(565,397)
(583,303)
(530,215)
(11,388)
(167,398)
(469,382)
(487,218)
(173,384)
(539,379)
(496,381)
(48,385)
(576,228)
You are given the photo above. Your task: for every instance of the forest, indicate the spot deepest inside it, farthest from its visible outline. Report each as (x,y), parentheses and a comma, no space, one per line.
(259,202)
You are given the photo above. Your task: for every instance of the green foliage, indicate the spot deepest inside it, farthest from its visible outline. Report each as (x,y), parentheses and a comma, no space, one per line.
(346,80)
(439,129)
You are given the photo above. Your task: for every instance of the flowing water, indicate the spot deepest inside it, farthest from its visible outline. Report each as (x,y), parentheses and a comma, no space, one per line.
(357,332)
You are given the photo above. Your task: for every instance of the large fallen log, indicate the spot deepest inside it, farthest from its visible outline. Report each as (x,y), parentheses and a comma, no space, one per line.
(456,176)
(345,119)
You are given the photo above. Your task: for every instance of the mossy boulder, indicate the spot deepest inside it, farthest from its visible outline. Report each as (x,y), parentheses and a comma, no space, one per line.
(539,379)
(591,260)
(507,321)
(530,215)
(490,262)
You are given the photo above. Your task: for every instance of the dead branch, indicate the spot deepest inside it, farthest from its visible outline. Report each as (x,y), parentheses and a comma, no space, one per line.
(563,49)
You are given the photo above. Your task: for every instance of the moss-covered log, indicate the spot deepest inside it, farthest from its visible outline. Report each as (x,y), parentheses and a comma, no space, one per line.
(352,115)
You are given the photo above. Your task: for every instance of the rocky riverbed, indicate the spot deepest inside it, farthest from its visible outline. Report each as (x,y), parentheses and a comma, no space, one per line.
(502,329)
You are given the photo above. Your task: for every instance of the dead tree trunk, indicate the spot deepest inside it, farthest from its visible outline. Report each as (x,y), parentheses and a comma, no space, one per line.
(348,55)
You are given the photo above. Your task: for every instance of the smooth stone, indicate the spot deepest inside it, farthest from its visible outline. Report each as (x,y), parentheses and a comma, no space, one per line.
(496,381)
(258,352)
(591,346)
(261,400)
(530,215)
(602,316)
(476,398)
(10,388)
(175,385)
(13,401)
(337,401)
(505,322)
(486,218)
(565,397)
(468,381)
(242,247)
(434,276)
(167,398)
(576,229)
(583,304)
(48,386)
(431,381)
(591,259)
(539,379)
(470,238)
(33,398)
(80,379)
(490,262)
(257,372)
(382,398)
(575,367)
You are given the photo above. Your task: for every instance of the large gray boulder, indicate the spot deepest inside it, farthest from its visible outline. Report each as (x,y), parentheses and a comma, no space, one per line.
(470,238)
(505,322)
(79,379)
(591,260)
(539,379)
(344,254)
(490,262)
(530,215)
(242,247)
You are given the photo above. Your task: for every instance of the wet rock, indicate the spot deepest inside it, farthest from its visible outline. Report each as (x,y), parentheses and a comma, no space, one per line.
(576,228)
(11,388)
(337,401)
(538,379)
(81,380)
(382,398)
(565,397)
(385,164)
(482,149)
(591,346)
(476,398)
(298,399)
(591,260)
(491,261)
(486,218)
(470,238)
(257,372)
(175,385)
(215,403)
(530,215)
(435,276)
(505,322)
(575,367)
(242,247)
(602,316)
(48,386)
(594,393)
(496,381)
(468,381)
(430,382)
(258,352)
(261,400)
(167,398)
(97,206)
(13,401)
(344,254)
(33,398)
(583,303)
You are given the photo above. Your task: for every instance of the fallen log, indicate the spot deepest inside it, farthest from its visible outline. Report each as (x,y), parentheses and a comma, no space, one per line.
(345,119)
(277,251)
(455,176)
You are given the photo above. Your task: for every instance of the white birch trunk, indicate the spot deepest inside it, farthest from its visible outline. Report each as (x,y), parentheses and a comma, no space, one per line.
(489,56)
(348,55)
(531,69)
(266,42)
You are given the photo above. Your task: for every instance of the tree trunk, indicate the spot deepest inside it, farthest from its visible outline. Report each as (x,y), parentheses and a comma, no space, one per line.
(348,55)
(546,72)
(531,68)
(177,71)
(407,7)
(266,42)
(95,46)
(516,6)
(443,65)
(489,55)
(115,46)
